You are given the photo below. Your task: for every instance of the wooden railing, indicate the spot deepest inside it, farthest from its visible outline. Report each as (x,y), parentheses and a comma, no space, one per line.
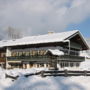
(25,57)
(65,73)
(46,58)
(2,59)
(70,58)
(37,59)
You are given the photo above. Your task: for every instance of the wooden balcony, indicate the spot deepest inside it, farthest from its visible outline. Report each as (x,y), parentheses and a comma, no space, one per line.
(29,58)
(46,58)
(70,58)
(2,59)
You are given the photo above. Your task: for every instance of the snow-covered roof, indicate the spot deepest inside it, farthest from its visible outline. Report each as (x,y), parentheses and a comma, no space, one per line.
(88,41)
(56,52)
(47,38)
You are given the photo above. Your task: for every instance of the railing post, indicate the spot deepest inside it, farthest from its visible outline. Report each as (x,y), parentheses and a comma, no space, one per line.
(66,72)
(85,73)
(42,73)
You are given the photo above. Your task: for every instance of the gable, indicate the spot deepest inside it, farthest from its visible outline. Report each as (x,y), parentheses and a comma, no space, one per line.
(79,39)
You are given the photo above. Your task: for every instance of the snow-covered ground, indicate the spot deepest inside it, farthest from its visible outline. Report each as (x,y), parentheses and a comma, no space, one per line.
(39,83)
(85,65)
(49,83)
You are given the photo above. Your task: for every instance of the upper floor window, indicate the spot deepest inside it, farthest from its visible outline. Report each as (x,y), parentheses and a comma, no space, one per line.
(28,53)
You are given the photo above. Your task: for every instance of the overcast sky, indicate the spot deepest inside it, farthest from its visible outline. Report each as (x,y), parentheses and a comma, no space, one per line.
(40,16)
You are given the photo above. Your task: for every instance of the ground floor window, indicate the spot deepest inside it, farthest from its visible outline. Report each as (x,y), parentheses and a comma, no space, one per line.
(41,65)
(15,65)
(69,64)
(72,64)
(77,64)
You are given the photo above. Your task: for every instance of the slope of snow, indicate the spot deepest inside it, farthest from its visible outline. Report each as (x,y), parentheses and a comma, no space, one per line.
(51,83)
(85,65)
(39,83)
(20,72)
(56,52)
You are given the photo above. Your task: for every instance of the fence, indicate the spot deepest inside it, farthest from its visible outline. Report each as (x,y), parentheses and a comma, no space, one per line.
(65,73)
(55,73)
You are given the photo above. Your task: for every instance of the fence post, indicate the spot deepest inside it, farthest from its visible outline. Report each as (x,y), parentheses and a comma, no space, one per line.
(85,73)
(42,73)
(66,72)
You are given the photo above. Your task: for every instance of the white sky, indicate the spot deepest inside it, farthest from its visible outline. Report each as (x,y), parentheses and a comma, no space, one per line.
(40,16)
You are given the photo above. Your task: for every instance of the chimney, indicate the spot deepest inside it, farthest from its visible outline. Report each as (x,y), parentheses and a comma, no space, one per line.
(50,32)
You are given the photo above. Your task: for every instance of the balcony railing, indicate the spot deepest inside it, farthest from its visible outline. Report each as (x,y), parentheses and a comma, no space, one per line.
(30,58)
(46,58)
(70,58)
(2,59)
(72,52)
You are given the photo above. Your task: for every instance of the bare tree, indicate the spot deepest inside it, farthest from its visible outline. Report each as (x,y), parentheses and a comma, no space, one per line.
(13,33)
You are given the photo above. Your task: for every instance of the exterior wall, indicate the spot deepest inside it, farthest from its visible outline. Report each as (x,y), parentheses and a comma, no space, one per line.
(76,45)
(2,59)
(33,52)
(2,64)
(8,52)
(35,65)
(69,65)
(39,51)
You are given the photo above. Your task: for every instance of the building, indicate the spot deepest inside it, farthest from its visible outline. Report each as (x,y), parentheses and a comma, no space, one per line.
(47,50)
(86,53)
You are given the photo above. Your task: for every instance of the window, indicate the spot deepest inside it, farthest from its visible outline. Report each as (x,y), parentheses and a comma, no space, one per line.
(66,64)
(37,65)
(41,52)
(27,53)
(62,64)
(31,53)
(23,53)
(14,54)
(3,54)
(41,65)
(71,64)
(77,64)
(19,53)
(47,65)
